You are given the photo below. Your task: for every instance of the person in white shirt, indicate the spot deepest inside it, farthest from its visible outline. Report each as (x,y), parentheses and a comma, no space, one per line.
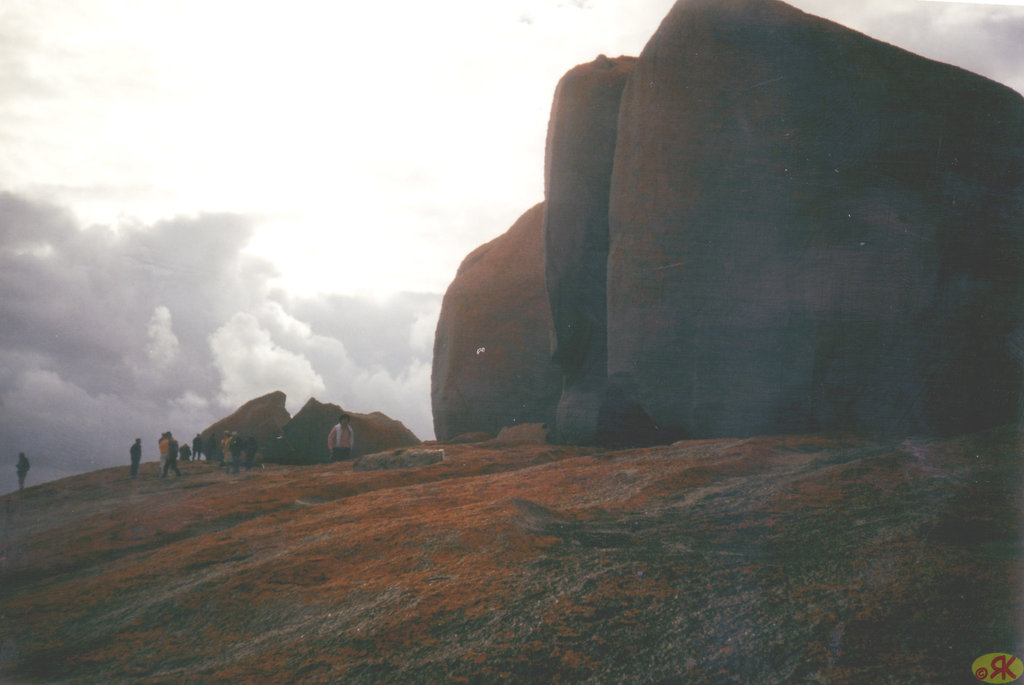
(341,439)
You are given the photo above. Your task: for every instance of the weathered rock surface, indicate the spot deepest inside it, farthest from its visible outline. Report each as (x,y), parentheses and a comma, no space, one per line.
(793,559)
(577,180)
(492,350)
(522,434)
(263,418)
(809,229)
(399,459)
(304,438)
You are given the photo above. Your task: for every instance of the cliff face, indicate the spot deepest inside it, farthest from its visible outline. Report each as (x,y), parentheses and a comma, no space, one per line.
(577,180)
(492,350)
(770,223)
(810,229)
(792,559)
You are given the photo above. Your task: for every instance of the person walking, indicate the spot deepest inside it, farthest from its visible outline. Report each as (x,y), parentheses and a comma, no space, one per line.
(225,450)
(342,439)
(212,449)
(197,447)
(136,454)
(172,457)
(251,445)
(22,469)
(235,446)
(163,444)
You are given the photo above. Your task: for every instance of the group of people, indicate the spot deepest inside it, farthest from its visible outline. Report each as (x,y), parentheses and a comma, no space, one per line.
(340,443)
(170,452)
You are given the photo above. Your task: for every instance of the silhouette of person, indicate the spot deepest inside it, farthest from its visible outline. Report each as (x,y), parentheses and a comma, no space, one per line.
(213,451)
(136,454)
(341,439)
(251,445)
(22,468)
(235,446)
(197,447)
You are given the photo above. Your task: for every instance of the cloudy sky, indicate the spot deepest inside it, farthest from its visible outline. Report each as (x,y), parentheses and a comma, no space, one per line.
(202,201)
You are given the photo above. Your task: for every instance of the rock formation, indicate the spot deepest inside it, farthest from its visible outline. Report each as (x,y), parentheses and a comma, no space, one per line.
(263,418)
(399,459)
(304,438)
(765,223)
(492,350)
(810,229)
(577,178)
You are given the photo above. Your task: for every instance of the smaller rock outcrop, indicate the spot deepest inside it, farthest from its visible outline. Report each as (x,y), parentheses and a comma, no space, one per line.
(304,438)
(399,459)
(263,418)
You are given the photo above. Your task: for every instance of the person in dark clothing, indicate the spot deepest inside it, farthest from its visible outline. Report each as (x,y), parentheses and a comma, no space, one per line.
(136,455)
(251,445)
(235,447)
(197,447)
(172,457)
(213,451)
(22,468)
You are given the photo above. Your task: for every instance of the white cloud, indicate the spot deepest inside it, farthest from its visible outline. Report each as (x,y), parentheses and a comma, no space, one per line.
(251,364)
(163,345)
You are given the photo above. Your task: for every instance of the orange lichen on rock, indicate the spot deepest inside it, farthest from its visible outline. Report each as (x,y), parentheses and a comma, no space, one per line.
(782,559)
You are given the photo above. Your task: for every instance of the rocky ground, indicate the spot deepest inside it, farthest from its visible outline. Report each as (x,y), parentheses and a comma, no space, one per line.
(799,559)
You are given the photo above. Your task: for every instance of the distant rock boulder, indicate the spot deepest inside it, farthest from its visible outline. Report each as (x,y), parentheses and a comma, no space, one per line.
(304,437)
(811,229)
(263,418)
(492,350)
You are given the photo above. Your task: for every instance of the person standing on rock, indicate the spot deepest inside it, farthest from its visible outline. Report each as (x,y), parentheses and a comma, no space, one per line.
(225,449)
(251,445)
(237,445)
(213,449)
(136,454)
(22,468)
(197,447)
(172,457)
(163,444)
(341,439)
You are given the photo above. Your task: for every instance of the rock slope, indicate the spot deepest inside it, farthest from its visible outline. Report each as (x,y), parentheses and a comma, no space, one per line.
(801,558)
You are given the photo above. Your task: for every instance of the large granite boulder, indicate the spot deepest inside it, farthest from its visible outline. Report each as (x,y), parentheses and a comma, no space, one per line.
(811,229)
(492,350)
(304,438)
(577,179)
(262,418)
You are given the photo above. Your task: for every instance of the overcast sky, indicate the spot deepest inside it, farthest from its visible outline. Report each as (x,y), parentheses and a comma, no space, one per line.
(202,201)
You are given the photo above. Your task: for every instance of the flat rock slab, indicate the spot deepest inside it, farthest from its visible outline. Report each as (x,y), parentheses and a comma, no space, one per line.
(398,459)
